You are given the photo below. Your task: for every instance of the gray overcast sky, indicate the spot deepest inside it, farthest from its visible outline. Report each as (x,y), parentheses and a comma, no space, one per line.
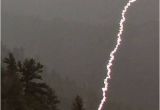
(82,10)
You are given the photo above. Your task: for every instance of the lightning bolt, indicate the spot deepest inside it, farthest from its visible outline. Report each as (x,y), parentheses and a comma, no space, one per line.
(108,66)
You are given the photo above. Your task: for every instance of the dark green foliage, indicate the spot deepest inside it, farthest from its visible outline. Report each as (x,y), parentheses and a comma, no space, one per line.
(22,86)
(78,104)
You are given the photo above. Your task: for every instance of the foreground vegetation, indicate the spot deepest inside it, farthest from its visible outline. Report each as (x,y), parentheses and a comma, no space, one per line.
(23,87)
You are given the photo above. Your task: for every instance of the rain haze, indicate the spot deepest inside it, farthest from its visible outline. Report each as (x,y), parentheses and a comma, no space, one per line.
(73,39)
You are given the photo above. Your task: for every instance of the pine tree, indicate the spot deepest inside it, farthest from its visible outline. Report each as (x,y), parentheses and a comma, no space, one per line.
(11,86)
(38,94)
(52,99)
(78,103)
(23,87)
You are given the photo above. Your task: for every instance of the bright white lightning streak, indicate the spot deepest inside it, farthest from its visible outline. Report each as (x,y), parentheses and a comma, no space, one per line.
(108,66)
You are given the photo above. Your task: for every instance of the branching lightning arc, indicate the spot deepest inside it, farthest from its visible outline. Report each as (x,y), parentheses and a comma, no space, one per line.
(108,66)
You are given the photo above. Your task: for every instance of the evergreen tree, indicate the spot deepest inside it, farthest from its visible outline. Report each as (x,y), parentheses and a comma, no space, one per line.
(22,86)
(40,94)
(78,103)
(52,99)
(11,86)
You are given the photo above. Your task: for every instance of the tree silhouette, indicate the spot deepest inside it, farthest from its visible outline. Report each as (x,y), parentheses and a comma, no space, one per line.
(52,100)
(78,103)
(11,86)
(23,87)
(30,70)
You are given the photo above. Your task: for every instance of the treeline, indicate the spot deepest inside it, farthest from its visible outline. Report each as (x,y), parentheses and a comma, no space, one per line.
(23,87)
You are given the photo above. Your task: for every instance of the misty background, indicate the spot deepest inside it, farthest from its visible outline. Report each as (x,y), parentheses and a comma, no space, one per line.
(73,38)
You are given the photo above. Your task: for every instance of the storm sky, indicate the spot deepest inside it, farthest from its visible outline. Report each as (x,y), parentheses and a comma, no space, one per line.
(75,37)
